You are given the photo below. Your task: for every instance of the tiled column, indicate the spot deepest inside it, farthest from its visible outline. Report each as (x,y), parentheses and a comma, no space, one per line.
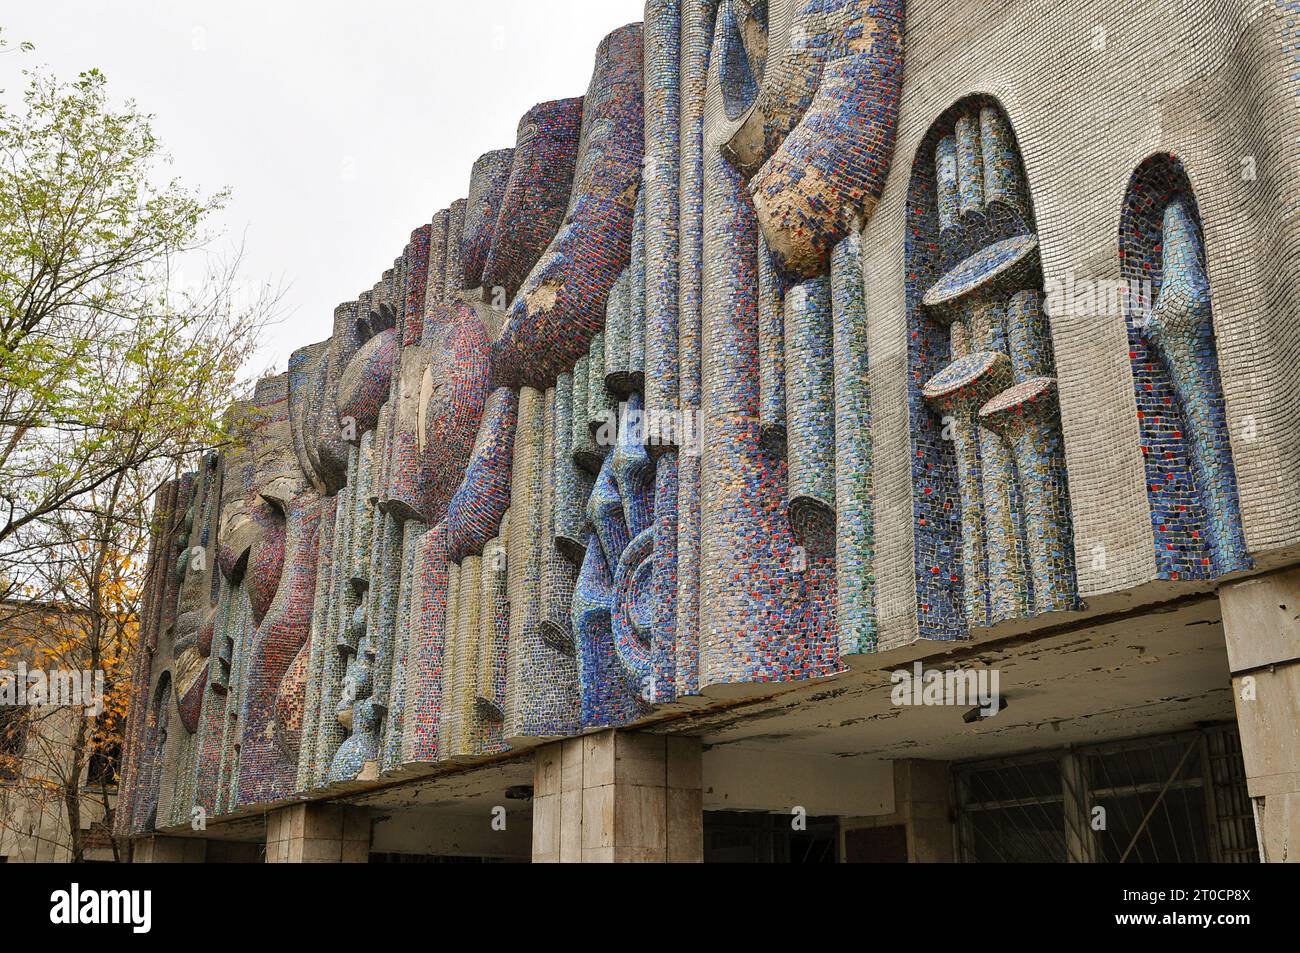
(168,850)
(619,797)
(1261,621)
(318,834)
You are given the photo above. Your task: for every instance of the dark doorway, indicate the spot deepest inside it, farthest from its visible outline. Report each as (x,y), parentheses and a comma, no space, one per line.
(876,845)
(737,837)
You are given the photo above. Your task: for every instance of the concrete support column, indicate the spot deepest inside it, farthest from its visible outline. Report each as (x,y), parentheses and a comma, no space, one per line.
(157,849)
(1261,621)
(921,822)
(318,834)
(619,797)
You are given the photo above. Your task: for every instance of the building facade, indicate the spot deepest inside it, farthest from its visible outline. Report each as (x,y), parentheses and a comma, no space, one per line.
(42,705)
(861,430)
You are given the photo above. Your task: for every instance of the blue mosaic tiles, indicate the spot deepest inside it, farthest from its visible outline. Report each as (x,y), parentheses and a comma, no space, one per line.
(993,536)
(561,305)
(817,183)
(478,506)
(612,613)
(1191,484)
(810,413)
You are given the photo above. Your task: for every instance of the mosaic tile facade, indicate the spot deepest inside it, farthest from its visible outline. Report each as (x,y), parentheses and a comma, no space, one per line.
(700,387)
(1195,513)
(994,536)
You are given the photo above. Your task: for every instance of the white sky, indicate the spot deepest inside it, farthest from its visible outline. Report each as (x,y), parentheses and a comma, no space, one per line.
(339,126)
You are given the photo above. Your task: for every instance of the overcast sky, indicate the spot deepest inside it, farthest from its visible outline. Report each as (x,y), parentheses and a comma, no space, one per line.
(339,126)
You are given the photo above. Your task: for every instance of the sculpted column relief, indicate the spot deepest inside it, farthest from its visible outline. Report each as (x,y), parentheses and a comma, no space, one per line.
(601,439)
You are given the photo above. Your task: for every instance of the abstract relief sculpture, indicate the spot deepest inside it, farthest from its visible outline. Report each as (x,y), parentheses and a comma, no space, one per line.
(993,529)
(606,436)
(536,193)
(819,137)
(612,609)
(480,513)
(601,437)
(561,304)
(1191,484)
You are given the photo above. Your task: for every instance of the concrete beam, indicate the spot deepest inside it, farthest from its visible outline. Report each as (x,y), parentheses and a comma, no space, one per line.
(158,849)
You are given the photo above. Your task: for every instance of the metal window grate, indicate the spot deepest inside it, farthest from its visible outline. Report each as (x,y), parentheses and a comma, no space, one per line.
(1234,816)
(1172,798)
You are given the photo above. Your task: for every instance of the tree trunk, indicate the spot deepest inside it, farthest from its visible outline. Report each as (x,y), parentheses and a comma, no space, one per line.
(72,791)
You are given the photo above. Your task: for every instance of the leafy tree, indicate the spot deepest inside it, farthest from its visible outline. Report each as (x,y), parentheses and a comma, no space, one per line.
(108,361)
(115,370)
(90,579)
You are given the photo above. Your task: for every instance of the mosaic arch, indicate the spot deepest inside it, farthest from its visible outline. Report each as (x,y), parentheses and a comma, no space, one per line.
(1182,417)
(993,536)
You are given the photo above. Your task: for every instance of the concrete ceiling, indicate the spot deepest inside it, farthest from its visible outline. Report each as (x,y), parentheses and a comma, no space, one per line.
(1161,671)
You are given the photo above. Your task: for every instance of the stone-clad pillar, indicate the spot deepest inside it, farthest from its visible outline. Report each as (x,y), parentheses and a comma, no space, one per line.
(158,849)
(1261,621)
(619,797)
(316,833)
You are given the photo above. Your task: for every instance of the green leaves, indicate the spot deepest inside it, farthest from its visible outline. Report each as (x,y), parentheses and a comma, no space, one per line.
(109,360)
(115,368)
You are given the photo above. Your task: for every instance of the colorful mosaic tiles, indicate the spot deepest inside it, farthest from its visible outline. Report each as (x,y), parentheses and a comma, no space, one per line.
(820,139)
(1191,484)
(561,305)
(767,599)
(610,431)
(613,659)
(810,414)
(453,394)
(655,280)
(993,529)
(487,189)
(854,486)
(425,651)
(478,507)
(536,194)
(366,382)
(268,763)
(541,697)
